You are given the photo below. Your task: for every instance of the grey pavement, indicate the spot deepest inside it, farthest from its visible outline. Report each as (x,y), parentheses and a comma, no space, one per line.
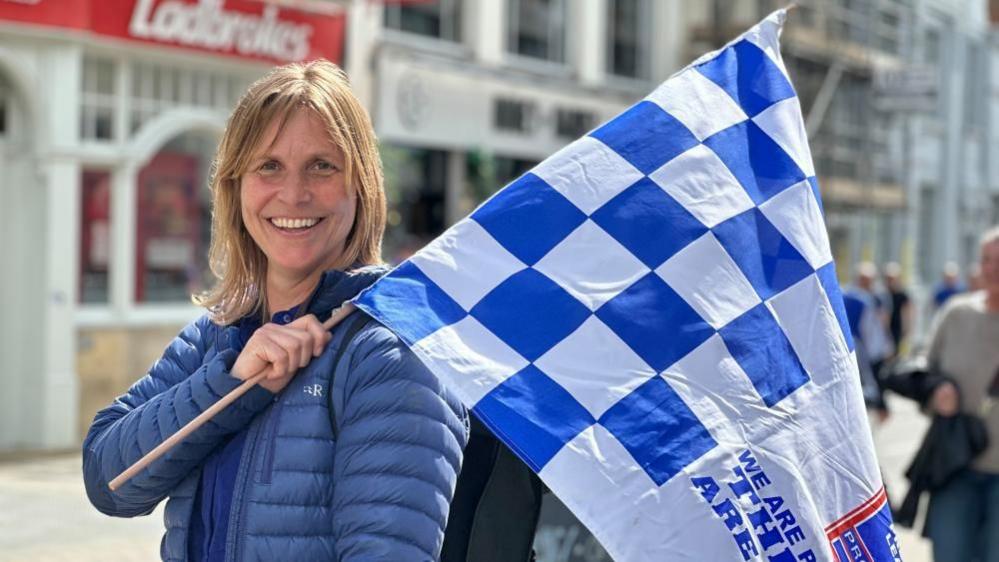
(45,515)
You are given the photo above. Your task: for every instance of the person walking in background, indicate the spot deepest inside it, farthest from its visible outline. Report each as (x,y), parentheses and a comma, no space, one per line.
(873,329)
(350,448)
(899,306)
(963,515)
(867,326)
(949,285)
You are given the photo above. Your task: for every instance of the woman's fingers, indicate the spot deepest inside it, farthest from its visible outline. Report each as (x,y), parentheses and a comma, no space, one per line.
(320,336)
(282,350)
(297,343)
(271,351)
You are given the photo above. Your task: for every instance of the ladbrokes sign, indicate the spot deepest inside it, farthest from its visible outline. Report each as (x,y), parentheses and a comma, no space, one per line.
(209,25)
(251,29)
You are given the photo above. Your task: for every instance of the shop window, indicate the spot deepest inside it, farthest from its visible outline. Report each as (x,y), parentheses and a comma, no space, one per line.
(931,46)
(95,236)
(486,174)
(628,35)
(203,89)
(173,225)
(889,28)
(415,183)
(509,169)
(156,88)
(441,19)
(976,93)
(571,124)
(537,29)
(237,87)
(144,101)
(98,100)
(513,115)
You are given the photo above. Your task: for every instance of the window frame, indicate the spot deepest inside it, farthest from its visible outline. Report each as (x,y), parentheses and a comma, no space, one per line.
(642,43)
(555,37)
(450,15)
(96,104)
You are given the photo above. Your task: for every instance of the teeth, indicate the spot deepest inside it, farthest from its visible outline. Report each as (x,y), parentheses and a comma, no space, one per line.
(282,222)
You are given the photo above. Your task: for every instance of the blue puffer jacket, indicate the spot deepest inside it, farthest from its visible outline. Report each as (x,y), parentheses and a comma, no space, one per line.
(379,490)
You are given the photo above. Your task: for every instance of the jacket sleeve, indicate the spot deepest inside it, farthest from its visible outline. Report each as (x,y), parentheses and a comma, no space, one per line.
(178,387)
(397,456)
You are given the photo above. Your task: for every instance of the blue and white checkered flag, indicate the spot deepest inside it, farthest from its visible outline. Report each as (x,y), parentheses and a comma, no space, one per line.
(650,319)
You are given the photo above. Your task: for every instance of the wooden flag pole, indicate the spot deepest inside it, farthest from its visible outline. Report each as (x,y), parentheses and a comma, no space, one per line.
(208,414)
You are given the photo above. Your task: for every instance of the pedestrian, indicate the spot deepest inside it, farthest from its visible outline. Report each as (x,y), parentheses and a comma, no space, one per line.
(867,326)
(963,515)
(949,285)
(349,449)
(899,304)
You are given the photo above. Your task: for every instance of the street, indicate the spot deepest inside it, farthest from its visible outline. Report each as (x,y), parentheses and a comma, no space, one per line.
(47,517)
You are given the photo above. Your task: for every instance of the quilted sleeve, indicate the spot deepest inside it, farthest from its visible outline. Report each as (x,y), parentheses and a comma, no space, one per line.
(398,454)
(178,387)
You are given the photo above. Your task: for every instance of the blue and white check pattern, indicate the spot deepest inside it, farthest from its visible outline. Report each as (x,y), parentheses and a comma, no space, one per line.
(642,292)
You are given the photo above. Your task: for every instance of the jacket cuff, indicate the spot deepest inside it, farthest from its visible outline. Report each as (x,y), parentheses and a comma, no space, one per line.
(221,382)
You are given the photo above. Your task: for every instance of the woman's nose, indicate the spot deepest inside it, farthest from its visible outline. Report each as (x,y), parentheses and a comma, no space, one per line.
(295,190)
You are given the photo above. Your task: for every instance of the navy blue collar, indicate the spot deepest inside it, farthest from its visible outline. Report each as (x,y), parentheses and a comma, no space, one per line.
(334,288)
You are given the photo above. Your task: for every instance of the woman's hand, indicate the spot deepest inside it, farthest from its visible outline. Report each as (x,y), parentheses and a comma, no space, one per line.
(281,351)
(944,399)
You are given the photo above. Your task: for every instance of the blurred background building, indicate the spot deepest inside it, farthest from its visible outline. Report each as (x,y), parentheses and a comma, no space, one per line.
(900,99)
(110,111)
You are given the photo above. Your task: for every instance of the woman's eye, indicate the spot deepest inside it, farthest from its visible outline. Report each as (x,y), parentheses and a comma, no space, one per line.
(269,167)
(323,166)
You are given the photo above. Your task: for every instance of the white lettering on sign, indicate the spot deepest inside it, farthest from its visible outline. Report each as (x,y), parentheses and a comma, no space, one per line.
(207,25)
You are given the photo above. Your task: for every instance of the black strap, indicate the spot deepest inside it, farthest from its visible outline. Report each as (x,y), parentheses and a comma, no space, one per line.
(352,330)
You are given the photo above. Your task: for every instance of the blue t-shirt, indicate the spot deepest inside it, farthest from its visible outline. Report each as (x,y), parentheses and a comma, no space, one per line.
(213,501)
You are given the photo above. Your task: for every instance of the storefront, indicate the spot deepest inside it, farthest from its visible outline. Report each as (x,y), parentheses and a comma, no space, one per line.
(110,111)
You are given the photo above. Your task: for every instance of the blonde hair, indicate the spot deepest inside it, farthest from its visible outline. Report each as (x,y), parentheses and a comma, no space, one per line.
(235,259)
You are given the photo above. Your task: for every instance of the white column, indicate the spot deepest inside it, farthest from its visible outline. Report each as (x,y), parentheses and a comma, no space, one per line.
(485,30)
(11,376)
(124,184)
(50,397)
(668,38)
(364,26)
(23,345)
(59,397)
(586,39)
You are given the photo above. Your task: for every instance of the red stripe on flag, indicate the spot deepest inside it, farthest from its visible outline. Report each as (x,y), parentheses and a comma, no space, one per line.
(861,513)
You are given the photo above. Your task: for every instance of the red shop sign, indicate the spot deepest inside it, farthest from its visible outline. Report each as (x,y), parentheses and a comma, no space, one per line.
(253,29)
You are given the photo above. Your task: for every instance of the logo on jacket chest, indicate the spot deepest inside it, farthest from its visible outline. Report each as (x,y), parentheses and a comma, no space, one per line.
(314,389)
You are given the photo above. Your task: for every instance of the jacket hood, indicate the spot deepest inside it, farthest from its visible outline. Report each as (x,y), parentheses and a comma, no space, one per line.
(337,287)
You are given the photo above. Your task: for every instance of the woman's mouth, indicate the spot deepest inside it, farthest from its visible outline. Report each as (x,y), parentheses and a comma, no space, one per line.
(294,225)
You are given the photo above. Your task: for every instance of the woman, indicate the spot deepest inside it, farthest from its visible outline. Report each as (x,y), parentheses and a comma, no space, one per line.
(963,515)
(299,212)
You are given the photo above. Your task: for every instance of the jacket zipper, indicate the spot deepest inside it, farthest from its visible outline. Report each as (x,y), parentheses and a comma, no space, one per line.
(234,538)
(269,437)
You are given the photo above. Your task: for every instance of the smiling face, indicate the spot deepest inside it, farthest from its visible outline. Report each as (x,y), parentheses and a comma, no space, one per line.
(294,200)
